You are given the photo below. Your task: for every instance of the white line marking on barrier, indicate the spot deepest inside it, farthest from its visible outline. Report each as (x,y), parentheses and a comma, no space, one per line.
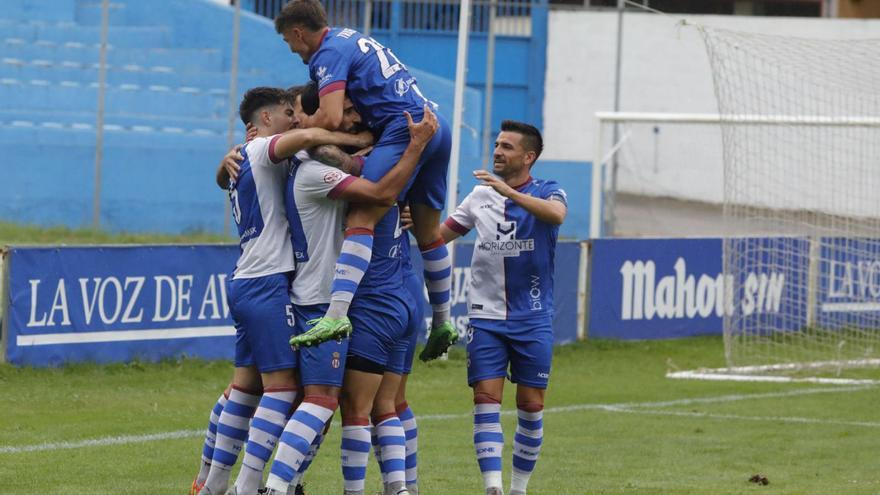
(625,407)
(123,335)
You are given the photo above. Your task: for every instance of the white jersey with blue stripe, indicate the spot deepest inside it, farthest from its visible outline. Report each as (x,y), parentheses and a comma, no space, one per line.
(512,264)
(316,222)
(257,198)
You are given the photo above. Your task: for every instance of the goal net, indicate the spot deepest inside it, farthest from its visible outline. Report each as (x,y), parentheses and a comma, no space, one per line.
(800,127)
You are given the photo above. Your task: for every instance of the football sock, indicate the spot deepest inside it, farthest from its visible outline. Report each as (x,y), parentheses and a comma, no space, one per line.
(488,439)
(210,438)
(355,453)
(411,431)
(304,426)
(353,261)
(377,453)
(392,443)
(267,425)
(438,278)
(307,461)
(232,431)
(526,444)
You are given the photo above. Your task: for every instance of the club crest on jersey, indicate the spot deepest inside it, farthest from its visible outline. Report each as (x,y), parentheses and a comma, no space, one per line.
(334,361)
(505,243)
(332,176)
(401,85)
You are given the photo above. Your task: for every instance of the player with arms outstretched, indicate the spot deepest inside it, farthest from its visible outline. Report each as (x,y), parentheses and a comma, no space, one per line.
(510,298)
(346,63)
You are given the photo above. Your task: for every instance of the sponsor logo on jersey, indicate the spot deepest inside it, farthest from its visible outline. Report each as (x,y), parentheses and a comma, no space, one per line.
(323,75)
(535,293)
(506,244)
(332,176)
(541,374)
(394,252)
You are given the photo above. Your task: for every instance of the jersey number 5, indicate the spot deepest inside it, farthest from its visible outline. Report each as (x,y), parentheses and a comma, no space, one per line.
(236,209)
(388,69)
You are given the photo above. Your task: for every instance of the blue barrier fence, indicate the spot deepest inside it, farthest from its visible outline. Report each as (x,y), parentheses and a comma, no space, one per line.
(108,304)
(111,304)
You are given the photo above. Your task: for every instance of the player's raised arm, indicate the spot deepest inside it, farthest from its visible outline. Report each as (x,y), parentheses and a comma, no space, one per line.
(291,142)
(388,188)
(550,210)
(329,114)
(229,167)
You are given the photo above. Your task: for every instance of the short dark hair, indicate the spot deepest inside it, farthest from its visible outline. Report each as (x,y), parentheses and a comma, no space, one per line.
(532,140)
(307,13)
(311,99)
(256,98)
(294,92)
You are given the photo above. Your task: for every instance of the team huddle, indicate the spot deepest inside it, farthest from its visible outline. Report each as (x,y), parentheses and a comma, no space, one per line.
(326,305)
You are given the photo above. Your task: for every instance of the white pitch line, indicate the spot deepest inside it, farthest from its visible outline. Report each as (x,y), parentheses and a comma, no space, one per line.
(101,442)
(780,419)
(627,407)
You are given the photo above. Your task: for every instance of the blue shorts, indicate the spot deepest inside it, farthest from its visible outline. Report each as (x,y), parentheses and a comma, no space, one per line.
(526,346)
(427,186)
(379,323)
(415,328)
(322,364)
(263,316)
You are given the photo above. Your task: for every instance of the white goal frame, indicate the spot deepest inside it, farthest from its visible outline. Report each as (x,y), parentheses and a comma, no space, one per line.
(597,200)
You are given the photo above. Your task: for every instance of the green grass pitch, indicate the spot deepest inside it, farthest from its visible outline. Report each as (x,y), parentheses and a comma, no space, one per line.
(614,425)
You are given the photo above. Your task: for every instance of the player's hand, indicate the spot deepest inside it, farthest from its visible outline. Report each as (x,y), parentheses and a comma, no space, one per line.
(494,182)
(251,132)
(420,134)
(406,221)
(231,161)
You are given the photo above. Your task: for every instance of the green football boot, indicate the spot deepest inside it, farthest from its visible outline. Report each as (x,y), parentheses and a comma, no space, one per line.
(439,341)
(323,330)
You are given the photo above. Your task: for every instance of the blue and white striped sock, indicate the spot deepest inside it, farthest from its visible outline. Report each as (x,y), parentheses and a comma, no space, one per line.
(526,445)
(210,438)
(232,431)
(377,453)
(392,443)
(411,431)
(268,423)
(488,440)
(306,423)
(353,261)
(313,452)
(355,453)
(438,279)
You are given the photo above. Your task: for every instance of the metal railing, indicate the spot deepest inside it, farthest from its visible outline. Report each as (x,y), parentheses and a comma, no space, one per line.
(512,17)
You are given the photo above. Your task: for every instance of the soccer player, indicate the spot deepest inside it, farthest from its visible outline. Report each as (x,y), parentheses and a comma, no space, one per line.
(344,62)
(264,380)
(316,219)
(510,298)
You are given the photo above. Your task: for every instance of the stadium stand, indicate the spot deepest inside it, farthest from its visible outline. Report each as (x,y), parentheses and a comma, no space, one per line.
(166,108)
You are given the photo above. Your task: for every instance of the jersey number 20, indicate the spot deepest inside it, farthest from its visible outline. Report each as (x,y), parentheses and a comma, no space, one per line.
(388,69)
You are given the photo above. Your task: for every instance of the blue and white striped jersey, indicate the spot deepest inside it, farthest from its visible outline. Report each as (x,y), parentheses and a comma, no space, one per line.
(316,224)
(512,264)
(257,198)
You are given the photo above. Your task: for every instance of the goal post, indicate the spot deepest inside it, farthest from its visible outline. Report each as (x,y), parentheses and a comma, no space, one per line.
(782,235)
